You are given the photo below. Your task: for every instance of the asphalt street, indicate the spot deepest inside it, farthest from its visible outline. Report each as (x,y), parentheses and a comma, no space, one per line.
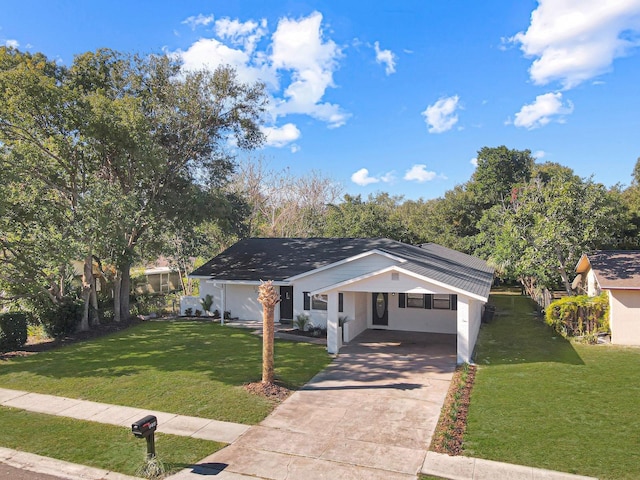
(11,473)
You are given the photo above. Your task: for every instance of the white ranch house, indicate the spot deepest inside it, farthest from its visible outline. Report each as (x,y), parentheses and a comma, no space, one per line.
(376,283)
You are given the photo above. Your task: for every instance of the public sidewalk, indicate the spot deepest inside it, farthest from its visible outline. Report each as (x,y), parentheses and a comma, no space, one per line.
(468,468)
(272,466)
(171,423)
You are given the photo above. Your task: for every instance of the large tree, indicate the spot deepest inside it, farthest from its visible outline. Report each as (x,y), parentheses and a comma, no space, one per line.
(548,223)
(499,170)
(377,216)
(124,140)
(281,204)
(45,176)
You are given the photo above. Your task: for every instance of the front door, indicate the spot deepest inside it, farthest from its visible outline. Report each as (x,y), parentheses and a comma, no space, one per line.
(380,308)
(286,303)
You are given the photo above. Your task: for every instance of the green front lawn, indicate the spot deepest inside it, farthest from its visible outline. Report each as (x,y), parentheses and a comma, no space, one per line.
(100,446)
(540,400)
(184,367)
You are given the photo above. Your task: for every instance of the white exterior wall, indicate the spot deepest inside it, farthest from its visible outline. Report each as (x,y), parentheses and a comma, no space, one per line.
(420,319)
(355,307)
(475,320)
(240,300)
(469,320)
(624,317)
(463,346)
(593,289)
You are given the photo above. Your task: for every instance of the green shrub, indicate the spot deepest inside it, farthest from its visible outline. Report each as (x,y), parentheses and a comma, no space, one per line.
(579,316)
(13,330)
(63,318)
(207,302)
(301,322)
(147,304)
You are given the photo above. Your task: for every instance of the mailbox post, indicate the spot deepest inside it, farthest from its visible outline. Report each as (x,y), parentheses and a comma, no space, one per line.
(145,428)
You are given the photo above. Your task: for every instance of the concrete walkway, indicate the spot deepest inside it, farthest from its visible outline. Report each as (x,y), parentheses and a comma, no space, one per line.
(370,414)
(195,427)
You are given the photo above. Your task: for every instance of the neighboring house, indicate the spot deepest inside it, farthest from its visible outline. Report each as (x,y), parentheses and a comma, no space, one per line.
(376,283)
(159,280)
(618,273)
(78,272)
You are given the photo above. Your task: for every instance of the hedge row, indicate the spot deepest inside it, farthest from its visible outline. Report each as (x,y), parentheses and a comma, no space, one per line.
(13,330)
(579,316)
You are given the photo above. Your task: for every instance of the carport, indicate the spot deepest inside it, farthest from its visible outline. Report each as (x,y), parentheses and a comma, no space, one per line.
(398,300)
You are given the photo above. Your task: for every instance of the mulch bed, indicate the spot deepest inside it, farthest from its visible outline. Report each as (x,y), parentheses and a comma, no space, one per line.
(449,435)
(300,333)
(272,391)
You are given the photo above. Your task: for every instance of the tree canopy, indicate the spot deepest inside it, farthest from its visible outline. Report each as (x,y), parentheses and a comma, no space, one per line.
(123,146)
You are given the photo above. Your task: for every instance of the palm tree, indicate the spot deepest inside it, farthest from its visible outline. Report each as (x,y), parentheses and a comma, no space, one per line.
(268,297)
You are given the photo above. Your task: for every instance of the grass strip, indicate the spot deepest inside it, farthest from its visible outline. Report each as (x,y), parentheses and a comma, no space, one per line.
(194,368)
(543,401)
(96,445)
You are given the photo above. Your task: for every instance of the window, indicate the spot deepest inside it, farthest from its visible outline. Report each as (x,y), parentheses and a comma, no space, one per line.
(415,300)
(442,302)
(319,302)
(340,302)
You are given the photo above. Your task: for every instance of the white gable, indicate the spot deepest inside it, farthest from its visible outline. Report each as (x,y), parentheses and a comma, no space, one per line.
(342,271)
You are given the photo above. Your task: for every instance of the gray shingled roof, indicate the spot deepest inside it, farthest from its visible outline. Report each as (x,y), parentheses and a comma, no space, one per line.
(281,258)
(616,268)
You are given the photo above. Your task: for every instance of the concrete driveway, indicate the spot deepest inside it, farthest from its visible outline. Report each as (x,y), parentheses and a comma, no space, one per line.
(369,415)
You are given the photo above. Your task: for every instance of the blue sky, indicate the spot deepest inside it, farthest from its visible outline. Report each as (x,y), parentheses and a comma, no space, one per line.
(392,96)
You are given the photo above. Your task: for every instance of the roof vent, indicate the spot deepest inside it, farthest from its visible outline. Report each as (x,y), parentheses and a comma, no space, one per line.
(395,276)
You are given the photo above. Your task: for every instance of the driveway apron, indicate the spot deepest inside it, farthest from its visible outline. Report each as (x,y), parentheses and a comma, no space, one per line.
(369,415)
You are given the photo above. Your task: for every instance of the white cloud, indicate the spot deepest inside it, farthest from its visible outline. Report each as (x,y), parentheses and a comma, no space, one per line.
(281,136)
(441,116)
(295,148)
(196,21)
(11,43)
(419,173)
(575,40)
(299,47)
(474,161)
(247,34)
(209,53)
(386,58)
(362,178)
(389,177)
(545,108)
(539,154)
(297,65)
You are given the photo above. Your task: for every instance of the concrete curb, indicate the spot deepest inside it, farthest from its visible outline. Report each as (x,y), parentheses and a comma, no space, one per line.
(57,468)
(468,468)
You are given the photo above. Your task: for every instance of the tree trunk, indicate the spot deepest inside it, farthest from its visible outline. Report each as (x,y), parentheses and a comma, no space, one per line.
(87,280)
(117,287)
(95,317)
(268,297)
(563,271)
(125,289)
(267,344)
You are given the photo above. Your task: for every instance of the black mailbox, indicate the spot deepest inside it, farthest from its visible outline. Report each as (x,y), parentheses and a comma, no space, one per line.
(145,427)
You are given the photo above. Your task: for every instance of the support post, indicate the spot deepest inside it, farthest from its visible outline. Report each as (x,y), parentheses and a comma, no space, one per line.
(334,336)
